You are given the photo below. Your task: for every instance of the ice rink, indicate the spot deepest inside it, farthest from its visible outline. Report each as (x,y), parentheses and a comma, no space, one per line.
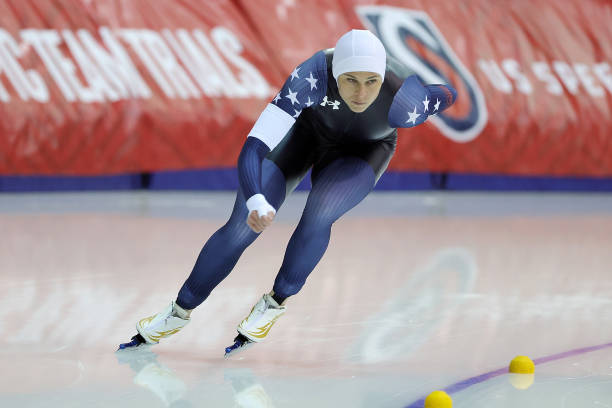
(417,292)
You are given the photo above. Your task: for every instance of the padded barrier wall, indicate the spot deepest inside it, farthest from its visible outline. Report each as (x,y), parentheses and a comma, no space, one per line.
(95,94)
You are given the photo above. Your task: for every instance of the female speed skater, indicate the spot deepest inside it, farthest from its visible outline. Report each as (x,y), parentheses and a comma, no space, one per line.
(337,113)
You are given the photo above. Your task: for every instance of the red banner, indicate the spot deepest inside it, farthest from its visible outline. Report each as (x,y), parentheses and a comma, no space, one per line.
(534,82)
(106,87)
(109,87)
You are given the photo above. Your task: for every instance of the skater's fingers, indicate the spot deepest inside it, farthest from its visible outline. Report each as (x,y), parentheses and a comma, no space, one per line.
(254,217)
(254,225)
(254,222)
(267,219)
(260,225)
(257,223)
(260,222)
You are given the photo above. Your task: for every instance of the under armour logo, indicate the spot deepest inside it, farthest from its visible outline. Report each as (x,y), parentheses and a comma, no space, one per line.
(335,103)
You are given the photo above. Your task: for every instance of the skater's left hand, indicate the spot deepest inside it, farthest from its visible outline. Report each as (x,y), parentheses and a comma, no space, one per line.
(257,223)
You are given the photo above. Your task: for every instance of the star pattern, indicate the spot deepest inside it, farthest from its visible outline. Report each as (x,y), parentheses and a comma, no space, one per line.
(426,104)
(312,81)
(304,87)
(413,103)
(294,74)
(292,97)
(412,116)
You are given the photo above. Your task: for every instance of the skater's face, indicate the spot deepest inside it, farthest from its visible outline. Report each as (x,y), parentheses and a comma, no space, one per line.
(359,89)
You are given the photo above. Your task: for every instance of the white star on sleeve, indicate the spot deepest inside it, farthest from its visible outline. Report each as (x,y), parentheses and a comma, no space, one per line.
(297,113)
(437,105)
(312,81)
(294,74)
(413,116)
(292,96)
(277,98)
(426,103)
(309,102)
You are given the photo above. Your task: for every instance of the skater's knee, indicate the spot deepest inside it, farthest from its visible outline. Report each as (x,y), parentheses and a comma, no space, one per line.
(316,223)
(322,215)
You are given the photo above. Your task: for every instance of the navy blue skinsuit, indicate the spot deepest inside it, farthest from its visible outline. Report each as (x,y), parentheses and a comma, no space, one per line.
(347,152)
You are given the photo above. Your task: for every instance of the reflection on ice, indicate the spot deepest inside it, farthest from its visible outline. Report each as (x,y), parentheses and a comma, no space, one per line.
(166,384)
(154,376)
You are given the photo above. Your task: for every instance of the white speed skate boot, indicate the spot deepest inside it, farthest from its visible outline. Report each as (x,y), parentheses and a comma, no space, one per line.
(161,325)
(256,326)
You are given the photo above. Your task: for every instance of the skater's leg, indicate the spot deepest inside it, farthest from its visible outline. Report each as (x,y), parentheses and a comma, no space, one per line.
(337,188)
(215,262)
(223,249)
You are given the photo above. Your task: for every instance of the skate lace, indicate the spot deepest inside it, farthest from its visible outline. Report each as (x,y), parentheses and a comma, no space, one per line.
(172,314)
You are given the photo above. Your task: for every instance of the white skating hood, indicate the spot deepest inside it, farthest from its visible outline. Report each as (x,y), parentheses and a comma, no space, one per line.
(359,50)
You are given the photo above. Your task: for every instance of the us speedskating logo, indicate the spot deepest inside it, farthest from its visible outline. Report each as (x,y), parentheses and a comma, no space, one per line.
(412,38)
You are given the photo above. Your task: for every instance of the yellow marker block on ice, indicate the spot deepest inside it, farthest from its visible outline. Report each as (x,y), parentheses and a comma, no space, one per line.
(522,372)
(521,365)
(438,399)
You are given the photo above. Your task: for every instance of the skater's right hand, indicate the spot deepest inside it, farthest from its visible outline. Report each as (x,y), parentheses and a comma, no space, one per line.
(257,223)
(261,213)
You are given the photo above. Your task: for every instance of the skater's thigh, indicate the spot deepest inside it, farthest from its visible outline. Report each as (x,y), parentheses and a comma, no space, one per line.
(338,187)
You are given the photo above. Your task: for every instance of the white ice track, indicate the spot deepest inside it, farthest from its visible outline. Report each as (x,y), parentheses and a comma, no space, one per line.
(417,292)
